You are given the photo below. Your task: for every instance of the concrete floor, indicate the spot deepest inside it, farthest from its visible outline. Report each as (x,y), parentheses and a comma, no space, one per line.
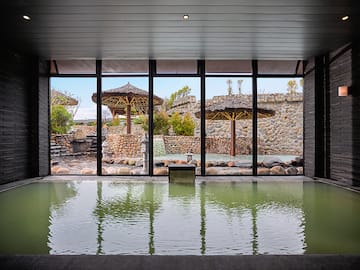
(104,262)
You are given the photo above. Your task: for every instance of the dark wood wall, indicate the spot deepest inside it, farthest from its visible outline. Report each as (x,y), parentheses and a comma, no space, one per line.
(43,118)
(332,123)
(309,119)
(21,132)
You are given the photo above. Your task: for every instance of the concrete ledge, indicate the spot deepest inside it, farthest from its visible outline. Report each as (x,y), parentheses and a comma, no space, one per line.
(279,262)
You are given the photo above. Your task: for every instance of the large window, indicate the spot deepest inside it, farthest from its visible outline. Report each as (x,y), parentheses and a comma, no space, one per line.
(280,126)
(176,127)
(228,118)
(184,93)
(73,126)
(125,125)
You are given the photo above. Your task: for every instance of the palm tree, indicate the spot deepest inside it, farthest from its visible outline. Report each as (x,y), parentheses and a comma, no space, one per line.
(229,82)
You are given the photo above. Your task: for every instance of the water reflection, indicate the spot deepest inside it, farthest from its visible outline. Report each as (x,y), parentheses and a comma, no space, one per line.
(203,219)
(212,218)
(25,216)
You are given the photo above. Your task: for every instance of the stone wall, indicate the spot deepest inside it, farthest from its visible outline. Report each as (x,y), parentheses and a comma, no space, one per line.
(182,144)
(124,145)
(280,134)
(185,144)
(80,131)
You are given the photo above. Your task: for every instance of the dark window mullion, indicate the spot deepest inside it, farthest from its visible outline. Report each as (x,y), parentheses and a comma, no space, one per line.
(254,118)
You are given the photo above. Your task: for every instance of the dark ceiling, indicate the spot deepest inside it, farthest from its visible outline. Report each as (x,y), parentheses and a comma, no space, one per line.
(143,29)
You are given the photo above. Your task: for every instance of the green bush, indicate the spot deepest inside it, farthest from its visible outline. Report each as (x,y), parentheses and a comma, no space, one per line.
(137,121)
(91,123)
(61,120)
(116,121)
(161,123)
(182,126)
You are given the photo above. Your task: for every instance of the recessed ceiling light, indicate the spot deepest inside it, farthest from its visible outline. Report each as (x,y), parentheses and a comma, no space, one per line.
(345,18)
(26,17)
(186,16)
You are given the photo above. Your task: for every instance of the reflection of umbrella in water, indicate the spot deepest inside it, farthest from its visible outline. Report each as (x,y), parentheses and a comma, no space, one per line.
(126,208)
(123,99)
(233,109)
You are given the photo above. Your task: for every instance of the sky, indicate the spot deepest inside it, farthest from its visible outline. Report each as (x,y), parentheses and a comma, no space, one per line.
(83,88)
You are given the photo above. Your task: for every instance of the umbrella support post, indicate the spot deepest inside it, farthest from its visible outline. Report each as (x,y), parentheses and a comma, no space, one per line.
(233,139)
(128,119)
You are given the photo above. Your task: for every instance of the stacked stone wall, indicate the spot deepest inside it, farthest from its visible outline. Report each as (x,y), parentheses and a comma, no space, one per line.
(185,144)
(124,145)
(280,134)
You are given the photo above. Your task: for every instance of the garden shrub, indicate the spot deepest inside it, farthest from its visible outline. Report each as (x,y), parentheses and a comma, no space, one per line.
(182,126)
(61,120)
(161,123)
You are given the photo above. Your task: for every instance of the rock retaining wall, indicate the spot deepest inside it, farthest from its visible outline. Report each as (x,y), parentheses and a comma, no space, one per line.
(124,145)
(185,144)
(280,134)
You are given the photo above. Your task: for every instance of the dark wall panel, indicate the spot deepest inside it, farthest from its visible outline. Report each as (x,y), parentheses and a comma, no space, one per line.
(341,128)
(19,125)
(339,131)
(44,153)
(356,114)
(309,120)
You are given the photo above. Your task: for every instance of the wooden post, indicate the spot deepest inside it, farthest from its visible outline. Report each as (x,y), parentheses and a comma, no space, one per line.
(128,119)
(233,139)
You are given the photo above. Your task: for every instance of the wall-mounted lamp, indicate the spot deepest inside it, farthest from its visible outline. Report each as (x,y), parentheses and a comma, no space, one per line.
(343,91)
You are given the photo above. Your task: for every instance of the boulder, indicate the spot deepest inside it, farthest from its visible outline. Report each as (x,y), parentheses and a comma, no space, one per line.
(244,171)
(291,171)
(60,170)
(139,163)
(160,171)
(111,170)
(181,161)
(88,171)
(231,164)
(299,161)
(243,164)
(211,171)
(300,170)
(263,171)
(108,160)
(123,171)
(131,162)
(193,162)
(277,170)
(272,162)
(159,164)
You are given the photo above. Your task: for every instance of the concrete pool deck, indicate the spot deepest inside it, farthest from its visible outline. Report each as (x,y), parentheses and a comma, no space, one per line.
(132,262)
(156,179)
(157,262)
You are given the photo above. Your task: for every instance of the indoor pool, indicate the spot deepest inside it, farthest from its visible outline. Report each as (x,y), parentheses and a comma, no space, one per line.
(89,217)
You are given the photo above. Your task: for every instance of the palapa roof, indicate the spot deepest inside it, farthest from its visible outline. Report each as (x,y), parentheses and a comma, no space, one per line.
(118,98)
(233,109)
(59,98)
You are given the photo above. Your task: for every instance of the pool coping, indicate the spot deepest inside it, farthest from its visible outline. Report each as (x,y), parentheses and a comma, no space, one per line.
(155,179)
(158,262)
(164,179)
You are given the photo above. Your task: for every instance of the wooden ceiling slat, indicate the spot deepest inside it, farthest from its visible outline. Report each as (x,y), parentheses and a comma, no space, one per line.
(128,29)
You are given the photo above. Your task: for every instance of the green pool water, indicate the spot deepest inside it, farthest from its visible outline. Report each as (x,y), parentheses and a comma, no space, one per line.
(89,217)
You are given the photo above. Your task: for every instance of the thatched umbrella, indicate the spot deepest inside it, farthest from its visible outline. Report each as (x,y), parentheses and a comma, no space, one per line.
(123,99)
(59,98)
(233,109)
